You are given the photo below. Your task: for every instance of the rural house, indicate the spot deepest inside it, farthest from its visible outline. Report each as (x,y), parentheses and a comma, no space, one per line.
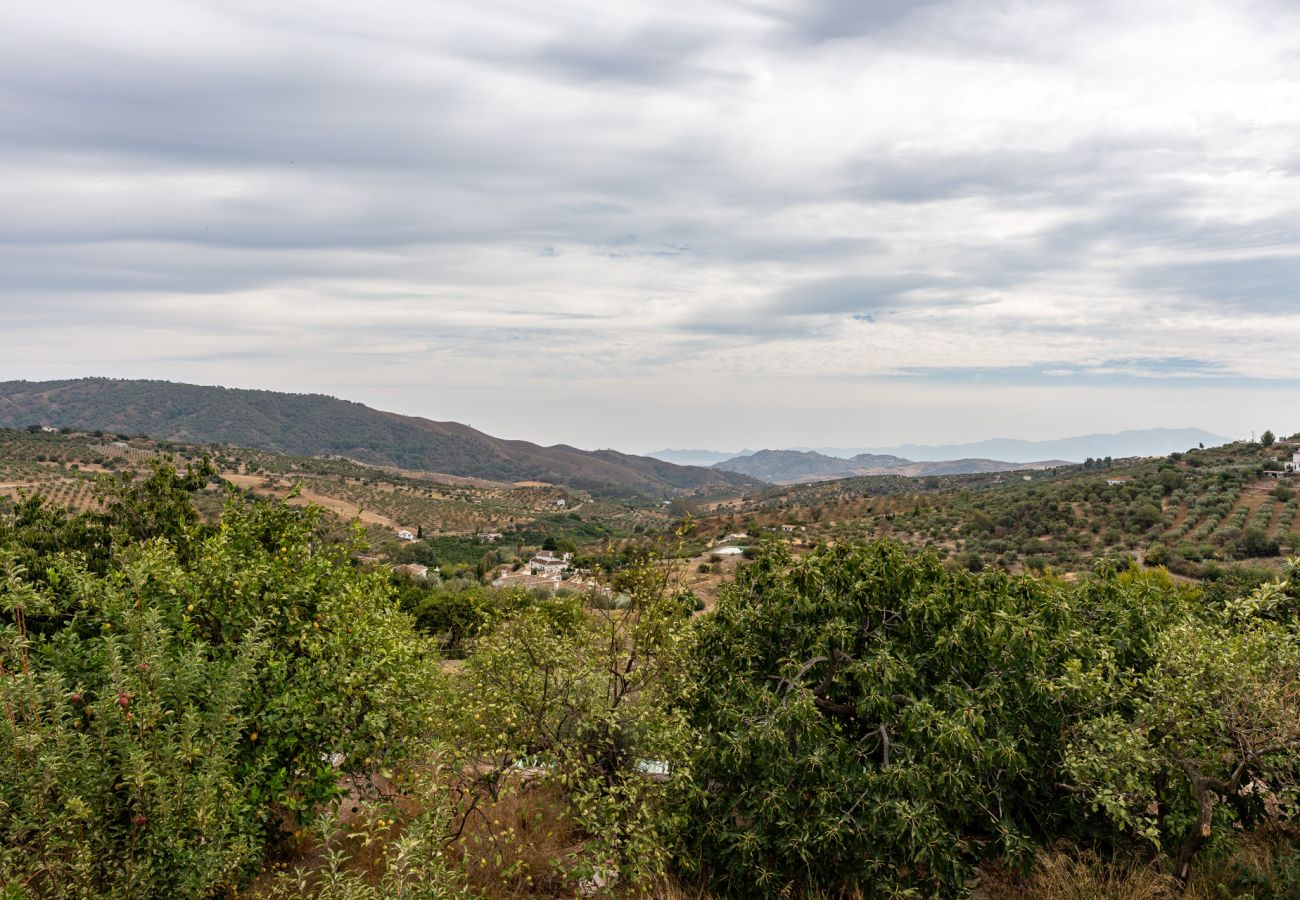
(546,563)
(413,570)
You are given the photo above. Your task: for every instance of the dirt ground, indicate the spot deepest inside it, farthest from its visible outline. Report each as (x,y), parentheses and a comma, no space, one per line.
(307,495)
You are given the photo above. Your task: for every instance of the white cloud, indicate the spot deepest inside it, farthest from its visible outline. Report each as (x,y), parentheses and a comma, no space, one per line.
(692,223)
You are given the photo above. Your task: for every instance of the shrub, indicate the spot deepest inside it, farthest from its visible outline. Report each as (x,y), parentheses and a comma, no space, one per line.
(862,713)
(1256,543)
(119,766)
(584,700)
(339,686)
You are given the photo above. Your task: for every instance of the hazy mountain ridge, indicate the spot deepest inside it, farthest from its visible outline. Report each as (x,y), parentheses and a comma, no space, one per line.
(315,424)
(1133,442)
(795,466)
(697,457)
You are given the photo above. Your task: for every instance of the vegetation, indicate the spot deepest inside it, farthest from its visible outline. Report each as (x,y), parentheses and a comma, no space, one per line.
(178,692)
(207,694)
(1205,509)
(313,425)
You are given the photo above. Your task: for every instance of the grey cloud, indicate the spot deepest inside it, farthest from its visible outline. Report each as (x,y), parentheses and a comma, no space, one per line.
(1250,285)
(817,21)
(854,295)
(646,57)
(641,185)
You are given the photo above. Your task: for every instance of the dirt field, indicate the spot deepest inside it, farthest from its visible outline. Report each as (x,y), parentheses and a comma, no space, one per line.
(307,495)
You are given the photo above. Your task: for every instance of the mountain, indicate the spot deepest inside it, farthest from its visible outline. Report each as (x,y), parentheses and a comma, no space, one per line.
(787,465)
(315,425)
(1143,442)
(696,457)
(794,466)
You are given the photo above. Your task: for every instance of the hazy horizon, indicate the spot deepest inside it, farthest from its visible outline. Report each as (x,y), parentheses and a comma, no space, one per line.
(649,225)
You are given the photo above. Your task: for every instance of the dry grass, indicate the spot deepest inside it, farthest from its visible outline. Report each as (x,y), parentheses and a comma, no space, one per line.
(1066,874)
(1084,876)
(524,844)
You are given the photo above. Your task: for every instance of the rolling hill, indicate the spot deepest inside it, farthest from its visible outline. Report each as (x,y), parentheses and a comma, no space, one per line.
(1136,442)
(317,425)
(795,466)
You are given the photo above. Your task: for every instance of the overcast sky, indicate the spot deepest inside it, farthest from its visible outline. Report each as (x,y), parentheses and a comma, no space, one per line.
(712,223)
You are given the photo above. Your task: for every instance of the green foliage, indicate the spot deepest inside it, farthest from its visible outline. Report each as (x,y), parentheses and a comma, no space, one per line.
(1278,881)
(586,700)
(871,718)
(119,763)
(1208,739)
(455,613)
(412,865)
(1256,543)
(345,674)
(248,665)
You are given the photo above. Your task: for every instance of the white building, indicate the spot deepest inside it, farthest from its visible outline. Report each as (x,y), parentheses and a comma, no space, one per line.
(547,563)
(1294,464)
(405,535)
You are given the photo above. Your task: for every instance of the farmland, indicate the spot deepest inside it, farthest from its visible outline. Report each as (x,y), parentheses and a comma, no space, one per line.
(1190,511)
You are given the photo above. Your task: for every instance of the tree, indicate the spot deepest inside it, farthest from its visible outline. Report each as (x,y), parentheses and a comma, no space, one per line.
(250,665)
(1267,438)
(587,700)
(870,719)
(1214,716)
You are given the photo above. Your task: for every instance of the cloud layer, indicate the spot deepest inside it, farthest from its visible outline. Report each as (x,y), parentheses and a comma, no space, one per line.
(727,222)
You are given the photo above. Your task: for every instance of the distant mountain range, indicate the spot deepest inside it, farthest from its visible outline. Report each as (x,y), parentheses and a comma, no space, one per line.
(795,466)
(998,454)
(1143,442)
(317,425)
(697,457)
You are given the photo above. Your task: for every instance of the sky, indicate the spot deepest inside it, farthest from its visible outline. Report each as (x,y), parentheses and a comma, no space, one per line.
(650,223)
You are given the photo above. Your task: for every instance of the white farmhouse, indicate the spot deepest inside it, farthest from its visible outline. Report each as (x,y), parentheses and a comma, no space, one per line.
(547,563)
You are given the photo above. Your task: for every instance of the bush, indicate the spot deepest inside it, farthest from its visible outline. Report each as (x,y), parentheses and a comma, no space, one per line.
(1256,543)
(584,701)
(1157,555)
(120,771)
(863,707)
(160,621)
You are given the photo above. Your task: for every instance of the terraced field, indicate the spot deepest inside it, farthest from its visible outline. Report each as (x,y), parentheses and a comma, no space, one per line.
(63,468)
(1190,511)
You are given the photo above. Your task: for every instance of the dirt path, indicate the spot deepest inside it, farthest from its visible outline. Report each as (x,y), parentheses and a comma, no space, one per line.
(1184,510)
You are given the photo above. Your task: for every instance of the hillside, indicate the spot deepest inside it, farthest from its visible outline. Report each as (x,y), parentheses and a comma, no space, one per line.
(796,466)
(1196,512)
(1134,442)
(317,425)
